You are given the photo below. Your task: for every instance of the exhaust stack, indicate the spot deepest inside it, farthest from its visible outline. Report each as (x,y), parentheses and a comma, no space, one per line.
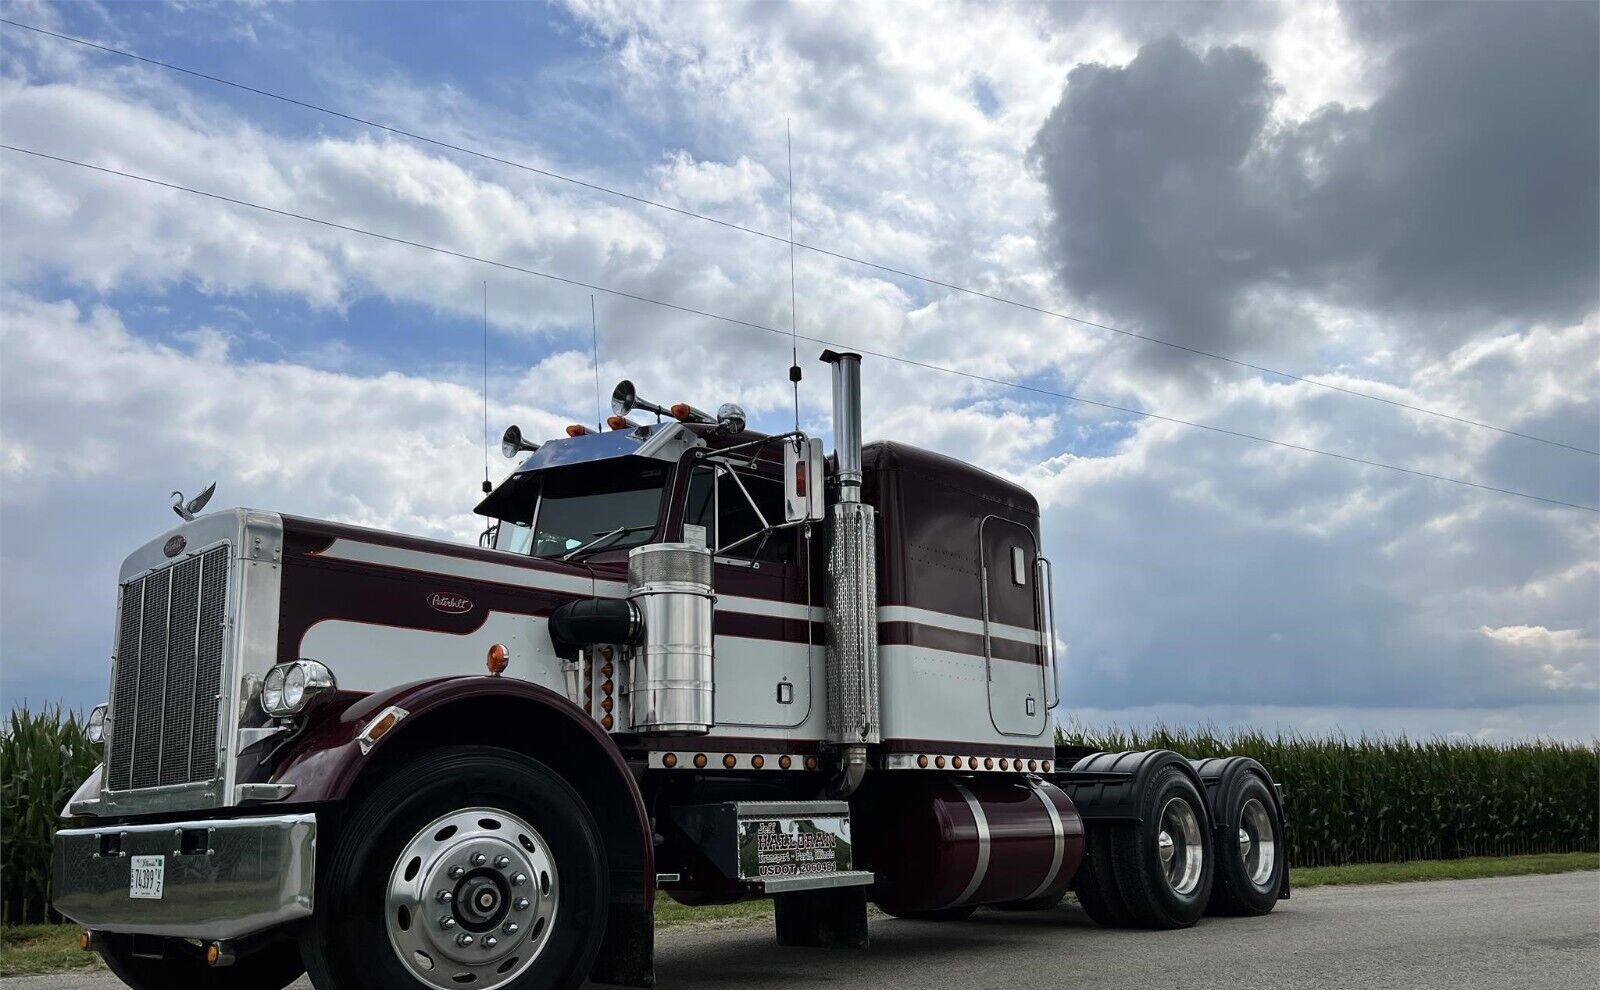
(852,647)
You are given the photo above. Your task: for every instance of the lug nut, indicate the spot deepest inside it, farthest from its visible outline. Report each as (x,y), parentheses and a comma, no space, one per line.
(510,928)
(518,879)
(489,941)
(456,873)
(465,938)
(501,862)
(521,904)
(444,897)
(447,922)
(478,859)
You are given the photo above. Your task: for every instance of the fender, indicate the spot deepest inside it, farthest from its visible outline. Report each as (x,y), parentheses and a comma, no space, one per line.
(1111,783)
(325,761)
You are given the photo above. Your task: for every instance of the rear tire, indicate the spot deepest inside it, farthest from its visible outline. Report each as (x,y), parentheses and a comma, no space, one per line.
(1096,883)
(1164,863)
(1250,863)
(511,843)
(271,968)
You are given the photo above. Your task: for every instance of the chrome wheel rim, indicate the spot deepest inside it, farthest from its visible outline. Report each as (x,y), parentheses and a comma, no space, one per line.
(471,900)
(1180,848)
(1258,847)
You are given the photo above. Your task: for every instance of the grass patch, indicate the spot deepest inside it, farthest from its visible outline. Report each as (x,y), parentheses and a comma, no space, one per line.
(669,912)
(28,949)
(1443,869)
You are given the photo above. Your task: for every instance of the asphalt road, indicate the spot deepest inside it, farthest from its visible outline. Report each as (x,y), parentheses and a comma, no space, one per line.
(1529,933)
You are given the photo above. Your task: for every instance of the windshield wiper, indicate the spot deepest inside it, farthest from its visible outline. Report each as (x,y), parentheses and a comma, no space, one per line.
(603,538)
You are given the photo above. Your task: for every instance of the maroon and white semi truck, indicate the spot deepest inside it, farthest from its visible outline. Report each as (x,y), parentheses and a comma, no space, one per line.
(686,659)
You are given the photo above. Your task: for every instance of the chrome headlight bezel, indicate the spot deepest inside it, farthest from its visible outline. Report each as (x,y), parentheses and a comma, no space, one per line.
(96,726)
(290,688)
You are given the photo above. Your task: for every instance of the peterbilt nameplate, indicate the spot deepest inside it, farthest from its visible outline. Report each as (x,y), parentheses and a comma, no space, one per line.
(768,840)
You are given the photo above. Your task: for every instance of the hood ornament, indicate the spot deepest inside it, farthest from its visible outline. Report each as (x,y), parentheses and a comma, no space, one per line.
(187,510)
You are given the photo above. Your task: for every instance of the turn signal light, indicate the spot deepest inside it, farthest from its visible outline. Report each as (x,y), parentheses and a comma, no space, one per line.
(213,953)
(498,660)
(577,430)
(681,412)
(83,941)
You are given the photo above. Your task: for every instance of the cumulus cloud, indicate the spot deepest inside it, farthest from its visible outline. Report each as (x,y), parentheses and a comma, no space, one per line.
(1461,196)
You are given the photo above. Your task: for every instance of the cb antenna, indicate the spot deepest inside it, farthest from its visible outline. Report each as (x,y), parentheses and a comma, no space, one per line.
(594,343)
(794,340)
(487,487)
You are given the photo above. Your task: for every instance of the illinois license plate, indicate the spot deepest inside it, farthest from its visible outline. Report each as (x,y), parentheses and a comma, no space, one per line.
(147,877)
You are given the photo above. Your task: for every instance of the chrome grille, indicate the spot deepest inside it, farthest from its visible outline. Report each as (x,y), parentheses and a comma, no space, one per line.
(164,700)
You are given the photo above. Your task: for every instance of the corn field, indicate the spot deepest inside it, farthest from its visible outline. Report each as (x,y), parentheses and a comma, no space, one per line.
(44,755)
(1370,800)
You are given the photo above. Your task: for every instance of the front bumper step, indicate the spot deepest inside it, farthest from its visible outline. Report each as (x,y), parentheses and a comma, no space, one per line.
(222,879)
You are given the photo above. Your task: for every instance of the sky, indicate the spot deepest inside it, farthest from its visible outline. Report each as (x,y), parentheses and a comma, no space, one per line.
(1394,204)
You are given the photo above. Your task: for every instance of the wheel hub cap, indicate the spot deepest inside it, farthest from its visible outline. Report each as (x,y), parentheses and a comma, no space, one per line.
(1258,847)
(1180,846)
(471,899)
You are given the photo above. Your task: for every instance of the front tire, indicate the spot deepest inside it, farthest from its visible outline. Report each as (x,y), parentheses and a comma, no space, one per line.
(466,866)
(271,968)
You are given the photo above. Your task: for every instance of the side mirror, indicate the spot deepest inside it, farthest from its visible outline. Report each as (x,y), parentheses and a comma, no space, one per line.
(802,480)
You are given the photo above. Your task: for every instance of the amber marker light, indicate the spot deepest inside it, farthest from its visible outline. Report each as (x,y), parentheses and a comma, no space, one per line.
(956,762)
(988,763)
(922,761)
(617,422)
(605,704)
(1005,764)
(938,761)
(681,412)
(811,763)
(577,430)
(213,954)
(1045,766)
(498,660)
(83,941)
(670,760)
(757,761)
(784,761)
(606,723)
(729,761)
(699,760)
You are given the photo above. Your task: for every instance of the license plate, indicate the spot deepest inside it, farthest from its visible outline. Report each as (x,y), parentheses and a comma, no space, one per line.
(147,877)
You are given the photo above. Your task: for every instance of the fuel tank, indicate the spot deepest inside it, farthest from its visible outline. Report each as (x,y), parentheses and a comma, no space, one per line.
(937,841)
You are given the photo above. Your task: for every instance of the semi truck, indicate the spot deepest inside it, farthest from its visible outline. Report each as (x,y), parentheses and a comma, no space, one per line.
(686,659)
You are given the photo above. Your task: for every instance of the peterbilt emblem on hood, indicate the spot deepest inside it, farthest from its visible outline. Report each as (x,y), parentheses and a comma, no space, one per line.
(174,546)
(452,604)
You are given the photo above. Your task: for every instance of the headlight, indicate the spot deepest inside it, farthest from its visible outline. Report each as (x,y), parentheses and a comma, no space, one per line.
(97,724)
(289,687)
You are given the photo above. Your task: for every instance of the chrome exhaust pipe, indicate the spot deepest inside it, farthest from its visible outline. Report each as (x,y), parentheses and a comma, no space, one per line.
(852,646)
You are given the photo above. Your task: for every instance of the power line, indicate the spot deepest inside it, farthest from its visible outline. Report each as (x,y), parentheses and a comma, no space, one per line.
(827,252)
(735,321)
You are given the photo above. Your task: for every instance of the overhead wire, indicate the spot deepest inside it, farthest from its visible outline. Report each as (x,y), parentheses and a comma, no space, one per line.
(736,321)
(793,244)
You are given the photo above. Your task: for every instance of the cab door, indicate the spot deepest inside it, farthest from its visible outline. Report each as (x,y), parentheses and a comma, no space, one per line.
(763,644)
(1012,627)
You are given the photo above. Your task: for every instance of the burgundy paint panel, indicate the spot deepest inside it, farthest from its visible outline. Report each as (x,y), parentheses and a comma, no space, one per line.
(953,641)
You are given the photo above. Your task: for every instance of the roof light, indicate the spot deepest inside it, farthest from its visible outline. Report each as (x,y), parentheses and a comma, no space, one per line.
(620,423)
(577,430)
(682,412)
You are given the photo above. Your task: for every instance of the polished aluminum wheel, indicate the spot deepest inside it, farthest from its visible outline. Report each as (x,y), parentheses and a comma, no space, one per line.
(1180,846)
(1258,849)
(472,899)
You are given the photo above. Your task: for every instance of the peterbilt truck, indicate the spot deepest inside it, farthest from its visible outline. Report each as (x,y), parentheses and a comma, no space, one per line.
(686,659)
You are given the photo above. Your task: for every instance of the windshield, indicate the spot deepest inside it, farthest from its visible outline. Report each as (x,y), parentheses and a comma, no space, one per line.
(604,506)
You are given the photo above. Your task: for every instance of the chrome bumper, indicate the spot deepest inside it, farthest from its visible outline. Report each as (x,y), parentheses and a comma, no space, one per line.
(223,879)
